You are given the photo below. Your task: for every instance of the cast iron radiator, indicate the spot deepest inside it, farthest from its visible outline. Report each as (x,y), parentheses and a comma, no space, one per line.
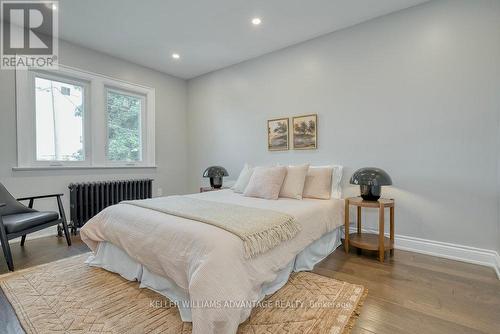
(88,199)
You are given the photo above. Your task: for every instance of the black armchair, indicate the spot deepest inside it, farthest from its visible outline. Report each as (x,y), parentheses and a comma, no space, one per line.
(17,220)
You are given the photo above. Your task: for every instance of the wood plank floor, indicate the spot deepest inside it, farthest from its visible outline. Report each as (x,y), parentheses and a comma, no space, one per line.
(409,293)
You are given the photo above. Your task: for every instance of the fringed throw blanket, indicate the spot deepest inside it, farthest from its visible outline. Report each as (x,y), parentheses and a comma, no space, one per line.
(260,229)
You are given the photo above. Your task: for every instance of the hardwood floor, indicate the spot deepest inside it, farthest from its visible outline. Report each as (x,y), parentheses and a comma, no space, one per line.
(409,293)
(415,293)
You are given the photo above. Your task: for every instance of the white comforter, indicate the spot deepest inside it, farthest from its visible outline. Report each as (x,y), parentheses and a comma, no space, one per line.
(207,261)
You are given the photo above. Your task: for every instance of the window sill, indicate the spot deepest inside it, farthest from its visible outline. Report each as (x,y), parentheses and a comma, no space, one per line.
(24,169)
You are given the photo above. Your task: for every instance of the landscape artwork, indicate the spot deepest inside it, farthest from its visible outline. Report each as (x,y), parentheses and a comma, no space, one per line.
(305,132)
(277,134)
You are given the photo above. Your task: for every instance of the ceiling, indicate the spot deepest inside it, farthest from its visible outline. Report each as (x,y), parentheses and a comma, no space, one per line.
(207,34)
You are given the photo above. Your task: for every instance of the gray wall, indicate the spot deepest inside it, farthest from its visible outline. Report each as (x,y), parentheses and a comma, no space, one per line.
(171,138)
(415,93)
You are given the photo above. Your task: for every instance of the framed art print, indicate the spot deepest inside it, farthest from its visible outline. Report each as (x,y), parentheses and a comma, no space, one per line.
(305,132)
(277,134)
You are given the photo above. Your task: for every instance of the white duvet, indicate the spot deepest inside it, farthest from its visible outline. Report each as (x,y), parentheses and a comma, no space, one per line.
(207,261)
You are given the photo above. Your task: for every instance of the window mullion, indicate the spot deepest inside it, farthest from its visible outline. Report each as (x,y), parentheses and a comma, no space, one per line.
(98,123)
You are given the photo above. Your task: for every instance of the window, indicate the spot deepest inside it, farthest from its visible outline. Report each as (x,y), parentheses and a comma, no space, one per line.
(59,109)
(71,118)
(124,126)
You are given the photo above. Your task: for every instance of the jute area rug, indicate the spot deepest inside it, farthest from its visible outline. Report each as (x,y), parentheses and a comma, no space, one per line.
(67,296)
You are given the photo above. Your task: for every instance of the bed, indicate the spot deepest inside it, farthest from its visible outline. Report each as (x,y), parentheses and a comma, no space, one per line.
(202,268)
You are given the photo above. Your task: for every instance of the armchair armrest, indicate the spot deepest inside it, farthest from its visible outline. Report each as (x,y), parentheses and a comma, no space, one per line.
(37,197)
(62,214)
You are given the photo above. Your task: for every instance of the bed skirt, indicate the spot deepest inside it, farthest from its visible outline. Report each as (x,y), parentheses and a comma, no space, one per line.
(114,259)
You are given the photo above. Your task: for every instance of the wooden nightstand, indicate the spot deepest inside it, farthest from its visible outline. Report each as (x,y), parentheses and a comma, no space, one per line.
(205,189)
(370,241)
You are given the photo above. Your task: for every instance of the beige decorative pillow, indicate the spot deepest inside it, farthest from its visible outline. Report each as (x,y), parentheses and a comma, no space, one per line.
(318,183)
(243,179)
(295,178)
(266,182)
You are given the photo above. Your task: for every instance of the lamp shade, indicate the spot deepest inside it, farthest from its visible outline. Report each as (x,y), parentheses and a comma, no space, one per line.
(215,173)
(370,180)
(371,176)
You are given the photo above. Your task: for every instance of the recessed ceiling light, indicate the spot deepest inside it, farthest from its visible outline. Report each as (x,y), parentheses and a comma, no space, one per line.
(256,21)
(54,7)
(175,55)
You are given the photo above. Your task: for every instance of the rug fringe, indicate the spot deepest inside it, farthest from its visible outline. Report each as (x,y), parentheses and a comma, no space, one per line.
(356,313)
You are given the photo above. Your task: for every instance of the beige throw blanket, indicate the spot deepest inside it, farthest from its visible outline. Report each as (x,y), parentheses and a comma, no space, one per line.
(259,229)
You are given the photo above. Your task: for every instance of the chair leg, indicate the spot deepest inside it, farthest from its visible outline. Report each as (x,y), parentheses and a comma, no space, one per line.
(66,232)
(6,252)
(62,214)
(23,239)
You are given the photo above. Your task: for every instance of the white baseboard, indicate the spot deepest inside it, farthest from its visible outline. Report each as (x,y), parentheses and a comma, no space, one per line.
(484,257)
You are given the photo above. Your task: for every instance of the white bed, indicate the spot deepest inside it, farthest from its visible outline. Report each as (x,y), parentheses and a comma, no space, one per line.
(189,261)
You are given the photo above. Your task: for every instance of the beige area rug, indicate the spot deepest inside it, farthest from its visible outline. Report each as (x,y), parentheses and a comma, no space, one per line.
(67,296)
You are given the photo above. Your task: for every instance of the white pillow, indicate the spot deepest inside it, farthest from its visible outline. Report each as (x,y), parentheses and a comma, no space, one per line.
(318,183)
(266,182)
(336,180)
(243,179)
(295,178)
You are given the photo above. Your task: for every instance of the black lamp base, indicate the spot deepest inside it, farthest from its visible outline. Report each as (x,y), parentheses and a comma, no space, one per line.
(216,182)
(370,193)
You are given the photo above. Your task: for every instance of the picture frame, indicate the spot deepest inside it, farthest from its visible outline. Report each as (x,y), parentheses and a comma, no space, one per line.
(305,132)
(278,134)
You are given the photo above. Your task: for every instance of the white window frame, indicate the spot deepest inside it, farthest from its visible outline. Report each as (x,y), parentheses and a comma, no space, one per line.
(95,119)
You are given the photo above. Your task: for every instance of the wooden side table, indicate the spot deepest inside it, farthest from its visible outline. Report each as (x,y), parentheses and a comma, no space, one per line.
(205,189)
(370,241)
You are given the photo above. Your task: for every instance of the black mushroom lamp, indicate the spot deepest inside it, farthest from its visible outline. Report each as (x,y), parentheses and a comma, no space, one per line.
(370,180)
(215,173)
